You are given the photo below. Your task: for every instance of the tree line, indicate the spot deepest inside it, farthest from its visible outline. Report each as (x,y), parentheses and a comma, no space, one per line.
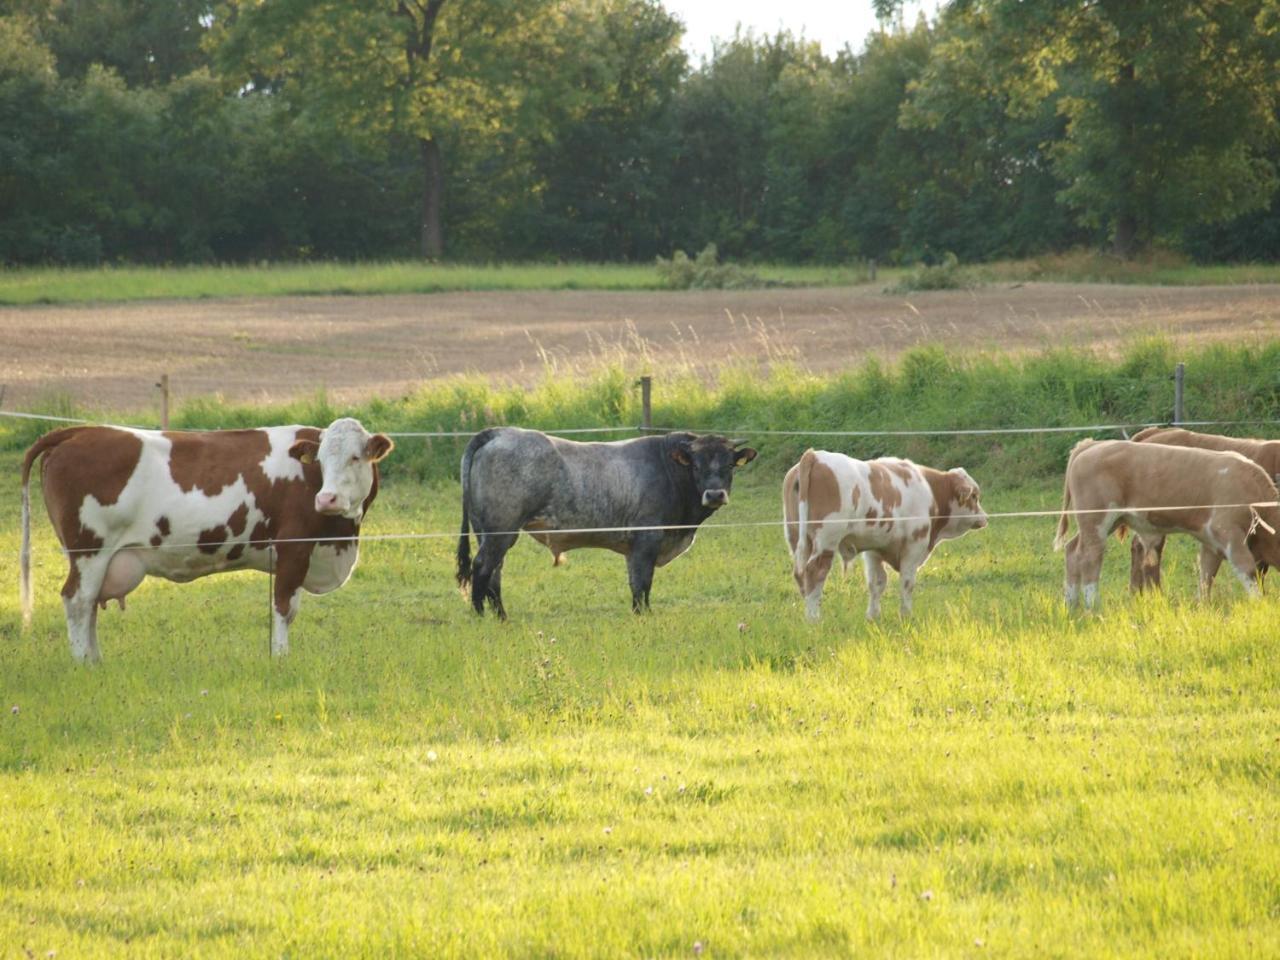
(176,131)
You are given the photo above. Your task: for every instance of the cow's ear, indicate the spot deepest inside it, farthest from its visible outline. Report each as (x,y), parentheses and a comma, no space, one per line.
(379,446)
(305,450)
(965,488)
(681,454)
(743,456)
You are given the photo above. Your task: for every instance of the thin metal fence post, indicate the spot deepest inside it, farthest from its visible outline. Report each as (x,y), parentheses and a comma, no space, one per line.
(1179,376)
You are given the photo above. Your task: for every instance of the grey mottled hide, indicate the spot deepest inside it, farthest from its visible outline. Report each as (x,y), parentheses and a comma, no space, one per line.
(515,479)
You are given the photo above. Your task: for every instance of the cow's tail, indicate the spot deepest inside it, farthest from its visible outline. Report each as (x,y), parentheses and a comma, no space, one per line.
(801,556)
(464,540)
(1064,519)
(26,589)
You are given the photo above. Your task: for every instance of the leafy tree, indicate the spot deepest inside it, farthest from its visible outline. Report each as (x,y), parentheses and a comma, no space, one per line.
(719,178)
(145,42)
(987,185)
(423,71)
(1169,104)
(601,156)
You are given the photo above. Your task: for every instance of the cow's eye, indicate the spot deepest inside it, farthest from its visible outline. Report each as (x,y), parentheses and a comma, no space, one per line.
(355,458)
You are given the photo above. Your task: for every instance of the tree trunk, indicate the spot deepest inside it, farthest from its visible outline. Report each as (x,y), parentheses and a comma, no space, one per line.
(1125,243)
(432,239)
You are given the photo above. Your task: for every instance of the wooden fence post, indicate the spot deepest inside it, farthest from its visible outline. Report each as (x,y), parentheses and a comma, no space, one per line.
(1179,376)
(164,401)
(646,402)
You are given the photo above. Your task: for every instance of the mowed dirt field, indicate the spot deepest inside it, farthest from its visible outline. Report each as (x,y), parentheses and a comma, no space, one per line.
(109,357)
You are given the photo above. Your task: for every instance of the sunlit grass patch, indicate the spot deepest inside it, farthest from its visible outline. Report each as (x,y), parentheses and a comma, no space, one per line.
(719,776)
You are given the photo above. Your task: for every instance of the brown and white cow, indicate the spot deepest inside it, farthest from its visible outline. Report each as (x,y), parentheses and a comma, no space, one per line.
(1145,552)
(1221,498)
(889,510)
(126,504)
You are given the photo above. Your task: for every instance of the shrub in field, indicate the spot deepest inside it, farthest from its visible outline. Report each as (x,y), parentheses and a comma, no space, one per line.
(705,272)
(947,275)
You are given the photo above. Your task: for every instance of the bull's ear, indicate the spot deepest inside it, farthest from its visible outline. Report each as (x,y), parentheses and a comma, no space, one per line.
(743,456)
(379,446)
(305,450)
(682,454)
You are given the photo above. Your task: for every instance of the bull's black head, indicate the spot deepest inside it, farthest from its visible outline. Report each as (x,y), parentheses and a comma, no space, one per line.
(711,461)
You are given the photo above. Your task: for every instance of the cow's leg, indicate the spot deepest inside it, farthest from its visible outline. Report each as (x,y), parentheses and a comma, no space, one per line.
(1210,560)
(291,562)
(1071,586)
(640,563)
(847,552)
(82,628)
(815,575)
(1145,554)
(80,602)
(1242,562)
(877,580)
(486,573)
(283,611)
(1090,545)
(907,568)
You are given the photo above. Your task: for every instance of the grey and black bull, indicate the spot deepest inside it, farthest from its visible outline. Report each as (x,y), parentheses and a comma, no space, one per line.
(567,495)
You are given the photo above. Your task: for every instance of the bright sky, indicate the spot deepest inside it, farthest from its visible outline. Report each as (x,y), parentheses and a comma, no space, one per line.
(833,23)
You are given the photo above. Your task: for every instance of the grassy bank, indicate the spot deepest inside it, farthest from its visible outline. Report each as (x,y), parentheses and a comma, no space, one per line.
(928,389)
(68,285)
(118,283)
(1159,268)
(717,777)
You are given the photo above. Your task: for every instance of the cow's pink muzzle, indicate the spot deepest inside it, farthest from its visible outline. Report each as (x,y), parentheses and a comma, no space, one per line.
(327,503)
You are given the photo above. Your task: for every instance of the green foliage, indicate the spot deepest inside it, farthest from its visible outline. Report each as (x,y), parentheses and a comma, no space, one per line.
(705,272)
(575,130)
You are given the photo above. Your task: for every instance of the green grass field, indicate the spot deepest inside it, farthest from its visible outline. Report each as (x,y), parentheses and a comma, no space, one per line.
(718,777)
(116,283)
(72,285)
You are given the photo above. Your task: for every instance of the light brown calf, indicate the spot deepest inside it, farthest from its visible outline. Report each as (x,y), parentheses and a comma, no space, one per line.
(1224,500)
(1145,553)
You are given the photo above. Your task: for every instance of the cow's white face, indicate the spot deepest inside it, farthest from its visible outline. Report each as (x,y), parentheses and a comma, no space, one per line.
(346,454)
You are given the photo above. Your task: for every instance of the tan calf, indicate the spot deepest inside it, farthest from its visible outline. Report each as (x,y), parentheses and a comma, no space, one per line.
(1145,553)
(1224,500)
(889,510)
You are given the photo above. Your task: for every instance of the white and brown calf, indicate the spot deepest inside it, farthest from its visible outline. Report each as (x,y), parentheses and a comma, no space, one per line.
(127,504)
(889,510)
(1221,498)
